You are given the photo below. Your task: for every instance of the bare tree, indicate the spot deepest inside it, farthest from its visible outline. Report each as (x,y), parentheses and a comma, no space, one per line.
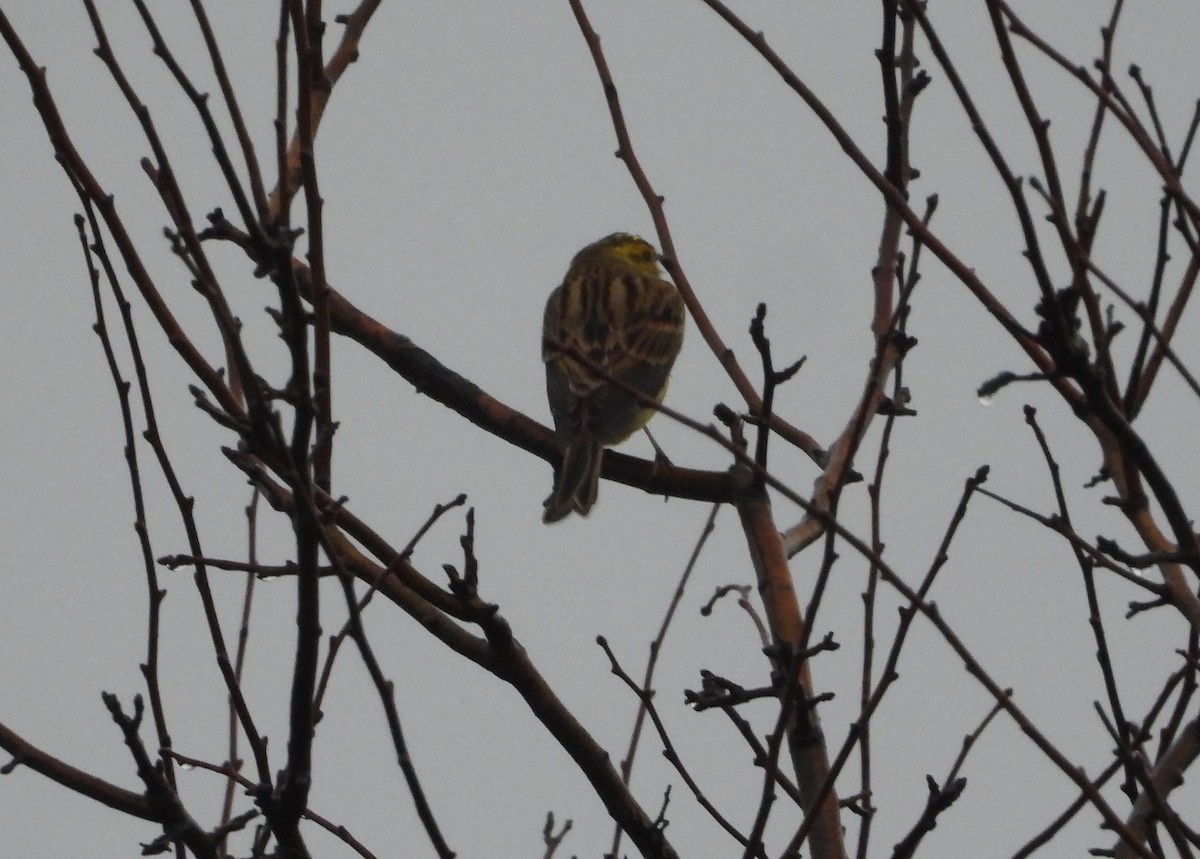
(1098,347)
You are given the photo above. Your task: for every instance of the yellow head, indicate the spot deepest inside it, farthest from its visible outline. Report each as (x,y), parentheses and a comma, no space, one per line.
(619,249)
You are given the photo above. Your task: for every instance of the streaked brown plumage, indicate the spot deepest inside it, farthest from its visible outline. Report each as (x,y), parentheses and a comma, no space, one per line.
(613,308)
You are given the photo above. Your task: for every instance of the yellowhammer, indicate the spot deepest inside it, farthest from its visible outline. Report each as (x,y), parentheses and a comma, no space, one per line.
(615,310)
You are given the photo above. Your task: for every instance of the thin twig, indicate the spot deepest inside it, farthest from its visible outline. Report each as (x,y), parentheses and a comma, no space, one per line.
(669,748)
(655,651)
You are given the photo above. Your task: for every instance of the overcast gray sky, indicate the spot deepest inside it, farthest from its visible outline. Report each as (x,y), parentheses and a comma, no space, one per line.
(463,160)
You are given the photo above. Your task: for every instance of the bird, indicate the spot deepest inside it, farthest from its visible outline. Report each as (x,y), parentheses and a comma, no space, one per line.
(615,310)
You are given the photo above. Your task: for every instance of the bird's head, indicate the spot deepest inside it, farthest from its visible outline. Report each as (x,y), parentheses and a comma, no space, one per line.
(620,249)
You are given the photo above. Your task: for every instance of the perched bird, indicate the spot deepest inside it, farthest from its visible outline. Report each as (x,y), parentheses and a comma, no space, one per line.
(614,309)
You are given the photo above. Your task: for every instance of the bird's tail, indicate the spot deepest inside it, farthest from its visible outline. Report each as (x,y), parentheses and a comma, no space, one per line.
(577,481)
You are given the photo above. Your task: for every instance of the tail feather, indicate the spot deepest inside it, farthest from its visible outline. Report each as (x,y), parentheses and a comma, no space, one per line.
(577,481)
